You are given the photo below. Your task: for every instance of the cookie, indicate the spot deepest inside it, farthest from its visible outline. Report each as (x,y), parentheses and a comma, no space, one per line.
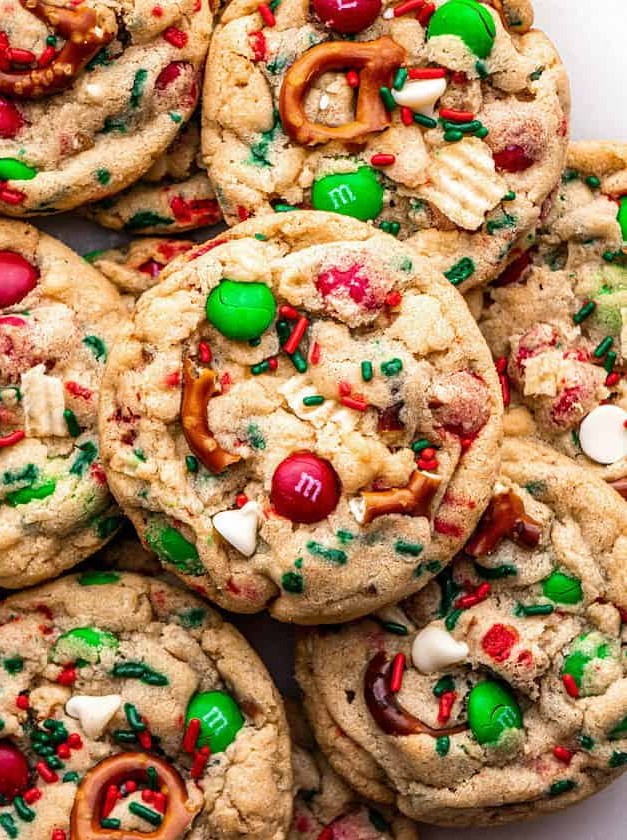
(556,320)
(302,416)
(130,708)
(58,320)
(499,692)
(92,95)
(173,196)
(325,806)
(136,267)
(450,126)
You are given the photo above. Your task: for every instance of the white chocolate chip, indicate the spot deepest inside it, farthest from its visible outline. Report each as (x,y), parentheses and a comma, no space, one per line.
(434,649)
(93,713)
(420,95)
(324,102)
(239,527)
(44,403)
(602,434)
(357,507)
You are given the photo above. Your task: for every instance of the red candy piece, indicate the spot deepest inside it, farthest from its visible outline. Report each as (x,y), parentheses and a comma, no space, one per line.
(17,278)
(347,16)
(170,74)
(11,120)
(351,282)
(499,641)
(14,771)
(512,159)
(305,488)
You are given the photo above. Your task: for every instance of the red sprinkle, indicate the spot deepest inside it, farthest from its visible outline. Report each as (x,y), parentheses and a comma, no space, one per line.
(32,795)
(291,345)
(145,738)
(159,801)
(326,833)
(131,786)
(205,352)
(408,6)
(426,73)
(474,598)
(344,388)
(242,213)
(273,362)
(447,701)
(12,321)
(505,389)
(393,299)
(12,439)
(258,43)
(46,57)
(201,757)
(425,14)
(354,402)
(382,159)
(22,702)
(267,15)
(501,364)
(456,116)
(287,311)
(314,354)
(407,115)
(148,795)
(240,500)
(173,380)
(21,56)
(157,11)
(11,196)
(75,741)
(58,834)
(168,75)
(612,379)
(430,465)
(77,390)
(191,735)
(176,37)
(572,689)
(398,670)
(563,755)
(48,775)
(63,751)
(352,78)
(111,798)
(68,676)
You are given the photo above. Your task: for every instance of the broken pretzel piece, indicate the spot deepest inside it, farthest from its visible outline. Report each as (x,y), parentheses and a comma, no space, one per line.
(412,500)
(505,517)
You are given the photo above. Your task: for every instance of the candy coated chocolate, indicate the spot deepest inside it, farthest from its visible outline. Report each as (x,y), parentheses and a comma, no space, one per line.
(241,311)
(305,488)
(358,194)
(17,278)
(492,710)
(347,16)
(562,588)
(14,771)
(467,19)
(220,719)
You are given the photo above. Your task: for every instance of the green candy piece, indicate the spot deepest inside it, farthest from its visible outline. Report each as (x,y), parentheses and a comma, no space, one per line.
(82,643)
(31,494)
(492,710)
(467,19)
(241,311)
(12,169)
(563,589)
(220,719)
(622,216)
(172,546)
(358,194)
(97,578)
(584,650)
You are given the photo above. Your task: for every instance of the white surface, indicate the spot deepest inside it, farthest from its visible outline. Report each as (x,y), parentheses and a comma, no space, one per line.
(591,37)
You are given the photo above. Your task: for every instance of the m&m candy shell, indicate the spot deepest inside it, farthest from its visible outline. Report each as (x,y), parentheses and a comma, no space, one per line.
(512,159)
(82,643)
(17,278)
(562,588)
(467,19)
(305,488)
(492,710)
(357,194)
(14,771)
(220,719)
(347,16)
(622,216)
(241,311)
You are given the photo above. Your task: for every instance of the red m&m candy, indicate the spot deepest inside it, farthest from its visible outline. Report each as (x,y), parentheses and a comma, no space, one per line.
(305,488)
(14,771)
(17,278)
(347,16)
(11,121)
(512,159)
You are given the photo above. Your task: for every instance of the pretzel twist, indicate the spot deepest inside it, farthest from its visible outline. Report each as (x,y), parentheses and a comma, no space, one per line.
(375,59)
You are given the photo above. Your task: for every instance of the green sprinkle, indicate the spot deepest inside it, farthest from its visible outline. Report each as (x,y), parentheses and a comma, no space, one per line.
(619,731)
(453,135)
(22,810)
(299,361)
(391,368)
(138,87)
(153,778)
(108,822)
(114,124)
(298,563)
(585,312)
(261,237)
(618,759)
(175,117)
(410,549)
(482,70)
(103,176)
(71,422)
(335,555)
(345,537)
(8,824)
(444,685)
(88,454)
(569,175)
(191,462)
(602,348)
(31,494)
(388,99)
(107,526)
(192,617)
(400,77)
(284,208)
(586,742)
(506,221)
(557,788)
(524,610)
(147,814)
(134,718)
(418,445)
(424,121)
(610,361)
(482,132)
(260,367)
(593,182)
(497,573)
(461,271)
(13,665)
(97,346)
(536,74)
(293,582)
(72,776)
(442,745)
(51,41)
(433,566)
(395,628)
(510,196)
(366,371)
(255,438)
(315,399)
(452,619)
(610,256)
(139,671)
(146,218)
(98,578)
(449,589)
(536,488)
(92,256)
(124,736)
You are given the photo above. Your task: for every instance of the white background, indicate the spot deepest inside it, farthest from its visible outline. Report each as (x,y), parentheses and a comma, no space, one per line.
(592,38)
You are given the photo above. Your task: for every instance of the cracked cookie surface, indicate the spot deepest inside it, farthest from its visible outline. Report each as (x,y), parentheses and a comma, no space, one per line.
(499,691)
(125,693)
(303,416)
(91,95)
(58,320)
(458,152)
(556,320)
(136,267)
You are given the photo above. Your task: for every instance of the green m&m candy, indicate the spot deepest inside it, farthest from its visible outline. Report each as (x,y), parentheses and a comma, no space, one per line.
(12,169)
(584,651)
(467,19)
(492,710)
(358,194)
(622,216)
(219,716)
(241,311)
(563,589)
(82,643)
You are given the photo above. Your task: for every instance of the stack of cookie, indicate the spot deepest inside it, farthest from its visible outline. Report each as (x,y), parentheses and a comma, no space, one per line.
(386,402)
